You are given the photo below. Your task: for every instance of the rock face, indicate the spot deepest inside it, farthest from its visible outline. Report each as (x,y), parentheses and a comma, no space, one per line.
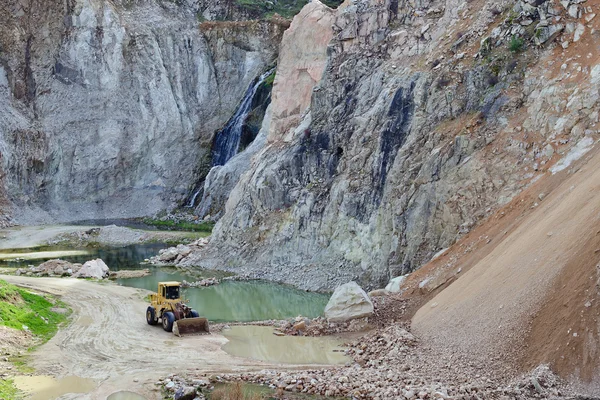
(348,302)
(108,108)
(402,145)
(221,180)
(302,61)
(95,269)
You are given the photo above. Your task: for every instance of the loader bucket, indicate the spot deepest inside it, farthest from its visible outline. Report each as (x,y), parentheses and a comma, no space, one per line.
(190,326)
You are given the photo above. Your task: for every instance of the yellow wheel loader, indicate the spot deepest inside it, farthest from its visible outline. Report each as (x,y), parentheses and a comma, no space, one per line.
(168,306)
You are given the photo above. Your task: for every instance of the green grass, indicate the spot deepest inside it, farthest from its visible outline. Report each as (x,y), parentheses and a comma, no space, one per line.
(20,309)
(180,226)
(270,79)
(8,391)
(516,44)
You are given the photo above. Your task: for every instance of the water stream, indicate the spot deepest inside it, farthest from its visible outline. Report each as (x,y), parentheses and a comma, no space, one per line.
(227,141)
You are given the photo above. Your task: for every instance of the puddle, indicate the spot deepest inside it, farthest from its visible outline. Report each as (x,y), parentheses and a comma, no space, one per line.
(49,388)
(259,343)
(125,396)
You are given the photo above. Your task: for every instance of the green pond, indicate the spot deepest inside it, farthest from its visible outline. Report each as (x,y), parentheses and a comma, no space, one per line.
(226,302)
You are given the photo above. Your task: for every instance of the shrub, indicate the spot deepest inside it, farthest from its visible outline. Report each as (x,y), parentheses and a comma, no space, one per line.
(516,44)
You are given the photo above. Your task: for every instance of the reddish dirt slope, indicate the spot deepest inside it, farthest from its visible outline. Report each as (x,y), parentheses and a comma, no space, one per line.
(531,291)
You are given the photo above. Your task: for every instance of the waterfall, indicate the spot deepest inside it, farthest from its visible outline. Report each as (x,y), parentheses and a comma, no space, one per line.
(192,202)
(227,141)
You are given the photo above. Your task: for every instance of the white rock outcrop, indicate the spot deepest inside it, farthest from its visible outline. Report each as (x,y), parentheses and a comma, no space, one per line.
(95,269)
(349,301)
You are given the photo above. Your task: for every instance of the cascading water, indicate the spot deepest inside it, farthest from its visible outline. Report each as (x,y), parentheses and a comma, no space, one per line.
(192,202)
(227,141)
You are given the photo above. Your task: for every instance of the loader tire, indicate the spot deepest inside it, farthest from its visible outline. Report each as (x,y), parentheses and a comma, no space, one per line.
(168,319)
(151,316)
(193,314)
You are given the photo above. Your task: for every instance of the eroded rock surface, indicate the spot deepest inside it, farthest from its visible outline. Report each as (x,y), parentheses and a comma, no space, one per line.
(420,126)
(108,108)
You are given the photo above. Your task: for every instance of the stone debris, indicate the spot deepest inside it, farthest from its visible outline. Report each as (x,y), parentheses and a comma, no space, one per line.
(126,274)
(50,268)
(94,269)
(201,283)
(387,365)
(178,254)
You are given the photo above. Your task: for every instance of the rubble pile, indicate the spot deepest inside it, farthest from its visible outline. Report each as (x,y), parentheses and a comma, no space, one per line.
(175,255)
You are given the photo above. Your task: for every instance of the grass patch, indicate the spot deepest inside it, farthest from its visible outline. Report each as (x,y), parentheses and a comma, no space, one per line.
(8,391)
(516,44)
(269,79)
(20,309)
(181,225)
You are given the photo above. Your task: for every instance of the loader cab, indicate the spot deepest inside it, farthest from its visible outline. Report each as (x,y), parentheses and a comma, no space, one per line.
(170,290)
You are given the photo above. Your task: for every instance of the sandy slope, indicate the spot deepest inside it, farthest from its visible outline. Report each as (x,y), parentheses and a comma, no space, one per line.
(541,275)
(110,341)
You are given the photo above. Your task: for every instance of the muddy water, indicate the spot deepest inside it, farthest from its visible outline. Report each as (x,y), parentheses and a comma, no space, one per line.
(49,388)
(259,343)
(125,396)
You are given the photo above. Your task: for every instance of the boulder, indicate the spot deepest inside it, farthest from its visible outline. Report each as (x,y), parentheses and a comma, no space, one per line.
(395,284)
(185,393)
(169,254)
(183,250)
(96,269)
(348,302)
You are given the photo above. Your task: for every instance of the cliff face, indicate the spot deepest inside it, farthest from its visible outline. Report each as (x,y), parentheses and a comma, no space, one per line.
(108,108)
(428,116)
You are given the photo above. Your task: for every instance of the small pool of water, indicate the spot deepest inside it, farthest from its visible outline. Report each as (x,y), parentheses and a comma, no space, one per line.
(259,343)
(44,387)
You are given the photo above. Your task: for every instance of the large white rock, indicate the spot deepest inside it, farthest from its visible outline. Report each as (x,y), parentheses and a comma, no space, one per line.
(96,269)
(395,284)
(348,302)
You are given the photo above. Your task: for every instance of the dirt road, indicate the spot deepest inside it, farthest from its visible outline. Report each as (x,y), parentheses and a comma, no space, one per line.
(110,342)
